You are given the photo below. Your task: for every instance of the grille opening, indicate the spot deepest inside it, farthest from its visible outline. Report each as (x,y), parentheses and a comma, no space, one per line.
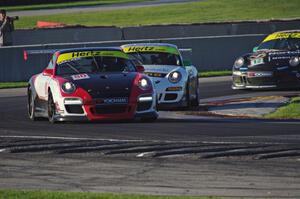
(143,106)
(96,94)
(244,80)
(75,109)
(170,96)
(109,109)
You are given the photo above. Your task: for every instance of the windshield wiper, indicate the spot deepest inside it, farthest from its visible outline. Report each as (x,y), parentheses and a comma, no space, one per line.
(72,67)
(98,68)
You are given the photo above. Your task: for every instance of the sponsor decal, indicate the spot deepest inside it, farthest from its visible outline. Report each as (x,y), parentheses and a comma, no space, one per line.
(282,36)
(256,56)
(282,57)
(165,49)
(177,88)
(256,61)
(259,74)
(80,76)
(285,53)
(116,100)
(75,55)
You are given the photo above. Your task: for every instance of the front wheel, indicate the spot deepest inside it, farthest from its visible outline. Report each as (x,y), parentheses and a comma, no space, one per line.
(51,109)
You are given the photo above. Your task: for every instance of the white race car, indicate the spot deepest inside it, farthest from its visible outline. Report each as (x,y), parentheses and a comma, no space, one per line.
(176,84)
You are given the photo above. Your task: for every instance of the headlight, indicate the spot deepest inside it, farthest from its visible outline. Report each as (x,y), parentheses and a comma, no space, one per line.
(68,87)
(175,77)
(294,61)
(144,83)
(239,62)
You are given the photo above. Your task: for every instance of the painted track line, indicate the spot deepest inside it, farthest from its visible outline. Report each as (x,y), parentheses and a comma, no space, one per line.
(125,140)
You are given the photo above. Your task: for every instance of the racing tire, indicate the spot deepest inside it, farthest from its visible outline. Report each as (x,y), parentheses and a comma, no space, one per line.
(195,102)
(31,105)
(51,109)
(187,96)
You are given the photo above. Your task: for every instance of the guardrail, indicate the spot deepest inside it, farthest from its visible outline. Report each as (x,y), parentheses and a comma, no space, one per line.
(209,53)
(215,46)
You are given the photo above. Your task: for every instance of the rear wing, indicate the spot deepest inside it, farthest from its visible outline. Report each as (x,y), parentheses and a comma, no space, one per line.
(48,52)
(186,54)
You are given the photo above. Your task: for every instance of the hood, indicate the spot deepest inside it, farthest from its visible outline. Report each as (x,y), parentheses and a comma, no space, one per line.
(269,59)
(160,68)
(105,85)
(272,54)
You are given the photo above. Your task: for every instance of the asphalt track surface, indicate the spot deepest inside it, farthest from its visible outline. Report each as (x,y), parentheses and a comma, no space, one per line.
(169,126)
(98,8)
(187,155)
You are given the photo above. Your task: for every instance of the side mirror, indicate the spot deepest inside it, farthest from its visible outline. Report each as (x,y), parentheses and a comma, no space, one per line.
(48,72)
(255,49)
(187,63)
(140,68)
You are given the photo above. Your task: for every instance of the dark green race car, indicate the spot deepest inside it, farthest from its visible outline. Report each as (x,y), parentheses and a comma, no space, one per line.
(275,63)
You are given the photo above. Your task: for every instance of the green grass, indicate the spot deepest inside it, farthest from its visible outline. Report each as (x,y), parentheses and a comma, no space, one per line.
(215,73)
(196,12)
(12,84)
(14,194)
(290,111)
(66,5)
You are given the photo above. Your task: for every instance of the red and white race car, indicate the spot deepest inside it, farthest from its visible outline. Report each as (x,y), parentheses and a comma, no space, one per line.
(91,84)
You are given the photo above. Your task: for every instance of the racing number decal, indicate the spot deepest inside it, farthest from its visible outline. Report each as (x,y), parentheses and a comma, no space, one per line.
(80,76)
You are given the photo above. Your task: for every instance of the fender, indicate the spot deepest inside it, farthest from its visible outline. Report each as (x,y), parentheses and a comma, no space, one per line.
(40,105)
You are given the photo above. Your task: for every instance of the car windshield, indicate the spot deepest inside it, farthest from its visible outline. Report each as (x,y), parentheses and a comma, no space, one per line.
(157,58)
(281,44)
(95,64)
(292,44)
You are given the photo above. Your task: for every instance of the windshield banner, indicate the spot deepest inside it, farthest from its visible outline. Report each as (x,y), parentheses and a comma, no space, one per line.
(282,36)
(74,55)
(163,49)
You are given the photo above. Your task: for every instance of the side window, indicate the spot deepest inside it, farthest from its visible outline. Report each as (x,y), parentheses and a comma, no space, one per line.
(50,65)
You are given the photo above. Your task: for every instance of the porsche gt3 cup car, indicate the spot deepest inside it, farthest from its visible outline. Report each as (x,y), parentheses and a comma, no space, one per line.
(176,85)
(275,63)
(91,84)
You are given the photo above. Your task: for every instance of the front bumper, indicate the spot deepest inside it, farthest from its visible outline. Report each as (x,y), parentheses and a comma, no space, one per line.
(76,110)
(174,105)
(169,95)
(144,115)
(60,118)
(253,80)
